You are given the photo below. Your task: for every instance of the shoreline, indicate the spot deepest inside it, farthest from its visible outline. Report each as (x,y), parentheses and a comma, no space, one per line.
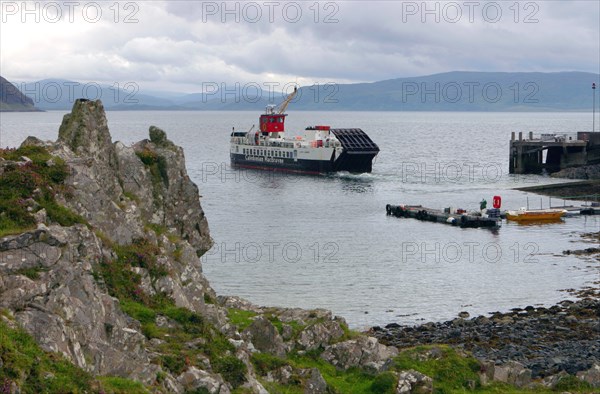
(564,337)
(581,188)
(547,342)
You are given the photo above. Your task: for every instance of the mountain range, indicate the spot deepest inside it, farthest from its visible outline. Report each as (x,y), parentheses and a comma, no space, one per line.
(11,99)
(452,91)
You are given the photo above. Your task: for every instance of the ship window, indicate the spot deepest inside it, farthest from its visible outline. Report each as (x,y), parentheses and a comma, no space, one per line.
(237,149)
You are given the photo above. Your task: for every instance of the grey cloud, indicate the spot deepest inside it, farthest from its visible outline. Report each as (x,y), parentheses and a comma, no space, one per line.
(173,46)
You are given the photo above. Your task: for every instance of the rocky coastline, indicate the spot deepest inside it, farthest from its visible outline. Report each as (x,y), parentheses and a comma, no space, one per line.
(102,291)
(546,341)
(527,346)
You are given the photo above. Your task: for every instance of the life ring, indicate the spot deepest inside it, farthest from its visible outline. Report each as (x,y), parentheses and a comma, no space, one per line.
(263,127)
(497,202)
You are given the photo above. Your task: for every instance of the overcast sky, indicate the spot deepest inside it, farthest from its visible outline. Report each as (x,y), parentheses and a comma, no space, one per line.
(180,45)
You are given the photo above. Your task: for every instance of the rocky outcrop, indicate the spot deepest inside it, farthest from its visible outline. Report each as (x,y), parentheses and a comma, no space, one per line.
(119,189)
(591,376)
(265,337)
(194,379)
(583,172)
(320,335)
(364,352)
(412,381)
(545,341)
(49,276)
(48,281)
(512,372)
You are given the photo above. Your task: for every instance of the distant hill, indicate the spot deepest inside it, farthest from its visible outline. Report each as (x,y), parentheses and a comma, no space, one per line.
(459,91)
(12,100)
(452,91)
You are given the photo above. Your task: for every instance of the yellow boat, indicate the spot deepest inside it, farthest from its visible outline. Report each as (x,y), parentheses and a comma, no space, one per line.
(523,215)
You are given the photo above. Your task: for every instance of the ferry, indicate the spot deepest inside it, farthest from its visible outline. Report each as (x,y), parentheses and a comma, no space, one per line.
(321,149)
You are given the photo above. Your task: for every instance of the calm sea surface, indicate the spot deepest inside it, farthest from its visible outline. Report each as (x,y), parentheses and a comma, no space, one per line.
(325,241)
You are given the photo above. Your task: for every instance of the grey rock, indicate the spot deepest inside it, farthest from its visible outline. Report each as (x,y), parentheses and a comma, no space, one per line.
(513,373)
(238,303)
(67,312)
(319,335)
(364,352)
(159,137)
(553,380)
(315,384)
(194,379)
(40,216)
(281,375)
(265,337)
(287,332)
(412,381)
(582,172)
(591,376)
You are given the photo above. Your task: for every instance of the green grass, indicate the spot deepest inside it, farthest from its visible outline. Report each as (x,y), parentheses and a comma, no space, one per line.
(352,381)
(35,370)
(158,229)
(265,362)
(132,197)
(32,273)
(240,318)
(232,369)
(115,385)
(156,164)
(451,372)
(40,180)
(348,334)
(384,383)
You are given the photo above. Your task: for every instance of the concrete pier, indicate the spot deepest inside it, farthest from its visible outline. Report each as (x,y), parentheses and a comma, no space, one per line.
(552,152)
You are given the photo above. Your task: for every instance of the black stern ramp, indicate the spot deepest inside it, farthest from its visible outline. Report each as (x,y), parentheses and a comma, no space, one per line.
(355,141)
(359,150)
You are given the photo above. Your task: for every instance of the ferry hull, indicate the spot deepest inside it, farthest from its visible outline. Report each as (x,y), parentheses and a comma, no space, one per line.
(351,162)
